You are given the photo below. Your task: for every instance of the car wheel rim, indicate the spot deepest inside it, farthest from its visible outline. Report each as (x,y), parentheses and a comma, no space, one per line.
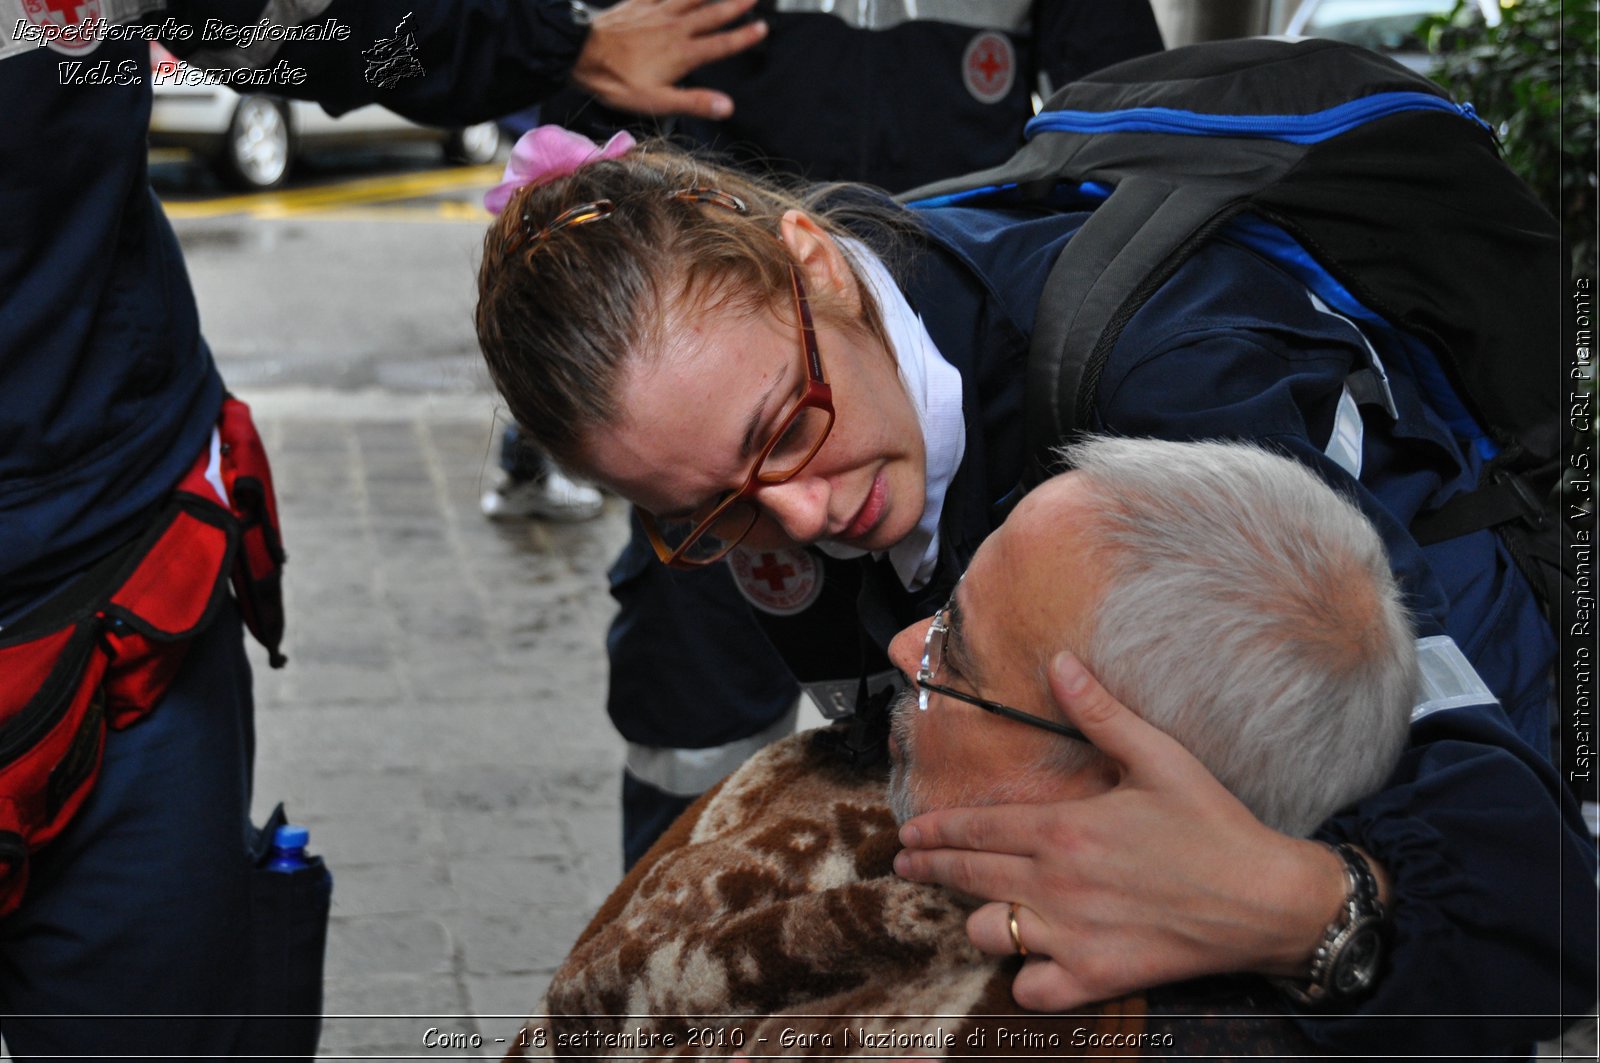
(480,141)
(261,141)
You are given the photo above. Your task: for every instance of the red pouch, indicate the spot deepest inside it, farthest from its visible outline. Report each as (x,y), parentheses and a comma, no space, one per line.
(240,465)
(50,745)
(103,651)
(85,661)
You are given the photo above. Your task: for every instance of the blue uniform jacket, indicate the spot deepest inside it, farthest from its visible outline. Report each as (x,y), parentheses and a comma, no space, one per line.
(893,93)
(897,93)
(107,390)
(1494,909)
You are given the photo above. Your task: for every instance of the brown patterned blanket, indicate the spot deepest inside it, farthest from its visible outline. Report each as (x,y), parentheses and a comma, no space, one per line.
(768,921)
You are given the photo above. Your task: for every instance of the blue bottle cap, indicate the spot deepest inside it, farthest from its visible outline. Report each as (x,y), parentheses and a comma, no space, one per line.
(291,836)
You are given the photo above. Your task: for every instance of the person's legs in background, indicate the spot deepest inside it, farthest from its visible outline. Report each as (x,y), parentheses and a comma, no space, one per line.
(531,486)
(696,688)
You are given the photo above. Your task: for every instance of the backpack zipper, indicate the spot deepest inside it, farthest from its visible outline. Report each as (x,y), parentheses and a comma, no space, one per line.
(1293,128)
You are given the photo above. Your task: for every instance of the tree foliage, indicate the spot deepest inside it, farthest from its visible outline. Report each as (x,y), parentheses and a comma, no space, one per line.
(1533,77)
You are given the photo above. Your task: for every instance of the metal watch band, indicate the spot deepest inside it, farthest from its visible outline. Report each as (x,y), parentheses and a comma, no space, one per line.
(1352,937)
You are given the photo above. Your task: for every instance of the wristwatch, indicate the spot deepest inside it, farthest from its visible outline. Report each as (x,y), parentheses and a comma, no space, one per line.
(582,13)
(1345,963)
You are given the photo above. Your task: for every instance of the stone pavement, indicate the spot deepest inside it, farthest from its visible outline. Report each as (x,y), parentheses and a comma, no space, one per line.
(439,726)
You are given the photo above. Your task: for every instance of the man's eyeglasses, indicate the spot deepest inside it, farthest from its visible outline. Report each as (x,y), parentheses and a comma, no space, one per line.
(933,661)
(709,532)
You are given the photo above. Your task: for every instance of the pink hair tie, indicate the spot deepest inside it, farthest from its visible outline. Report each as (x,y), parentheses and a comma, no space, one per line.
(541,155)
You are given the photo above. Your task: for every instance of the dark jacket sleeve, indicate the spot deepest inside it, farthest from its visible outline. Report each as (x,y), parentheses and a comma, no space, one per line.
(1494,912)
(458,61)
(1077,37)
(1494,897)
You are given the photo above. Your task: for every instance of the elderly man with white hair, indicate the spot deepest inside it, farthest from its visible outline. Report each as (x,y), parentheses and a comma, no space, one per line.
(1246,610)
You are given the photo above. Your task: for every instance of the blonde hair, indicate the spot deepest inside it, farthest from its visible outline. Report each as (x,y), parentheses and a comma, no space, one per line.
(559,316)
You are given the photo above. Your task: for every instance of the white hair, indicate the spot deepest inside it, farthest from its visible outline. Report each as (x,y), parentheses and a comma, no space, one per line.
(1249,613)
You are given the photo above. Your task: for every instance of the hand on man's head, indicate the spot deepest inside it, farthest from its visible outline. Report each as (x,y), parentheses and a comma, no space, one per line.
(638,50)
(1107,885)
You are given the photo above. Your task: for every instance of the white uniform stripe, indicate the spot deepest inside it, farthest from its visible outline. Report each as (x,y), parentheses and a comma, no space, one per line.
(691,772)
(1448,679)
(1344,445)
(1012,16)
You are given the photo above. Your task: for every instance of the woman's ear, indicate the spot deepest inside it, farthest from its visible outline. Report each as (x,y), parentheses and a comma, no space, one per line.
(820,258)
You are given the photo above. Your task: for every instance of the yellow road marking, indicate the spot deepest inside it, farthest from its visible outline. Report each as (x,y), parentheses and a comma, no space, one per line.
(345,194)
(455,213)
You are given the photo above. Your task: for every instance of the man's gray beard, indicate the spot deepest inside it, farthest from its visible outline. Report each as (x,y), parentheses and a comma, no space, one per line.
(904,800)
(908,793)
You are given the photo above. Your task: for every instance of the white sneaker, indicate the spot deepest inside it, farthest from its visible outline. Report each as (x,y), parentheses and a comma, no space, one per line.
(553,496)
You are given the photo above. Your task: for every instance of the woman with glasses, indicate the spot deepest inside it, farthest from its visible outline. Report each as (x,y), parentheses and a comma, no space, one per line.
(764,371)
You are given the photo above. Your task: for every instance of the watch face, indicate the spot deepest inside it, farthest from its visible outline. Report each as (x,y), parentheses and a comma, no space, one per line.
(1356,967)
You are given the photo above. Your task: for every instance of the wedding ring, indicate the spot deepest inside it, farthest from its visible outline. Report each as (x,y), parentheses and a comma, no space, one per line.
(1011,921)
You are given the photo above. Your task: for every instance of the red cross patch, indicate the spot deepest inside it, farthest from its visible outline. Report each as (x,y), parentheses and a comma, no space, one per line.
(989,66)
(783,582)
(66,15)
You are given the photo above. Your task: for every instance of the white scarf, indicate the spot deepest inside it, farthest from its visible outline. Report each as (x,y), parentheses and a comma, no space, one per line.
(934,387)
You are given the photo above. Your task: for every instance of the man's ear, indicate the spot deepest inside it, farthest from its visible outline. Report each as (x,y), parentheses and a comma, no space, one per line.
(820,258)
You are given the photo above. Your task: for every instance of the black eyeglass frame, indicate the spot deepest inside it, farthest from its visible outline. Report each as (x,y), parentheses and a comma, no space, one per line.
(924,680)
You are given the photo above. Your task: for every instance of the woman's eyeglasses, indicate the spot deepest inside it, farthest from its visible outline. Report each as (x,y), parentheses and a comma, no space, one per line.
(709,532)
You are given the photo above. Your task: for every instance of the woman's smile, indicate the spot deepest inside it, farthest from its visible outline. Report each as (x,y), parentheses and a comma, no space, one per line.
(867,517)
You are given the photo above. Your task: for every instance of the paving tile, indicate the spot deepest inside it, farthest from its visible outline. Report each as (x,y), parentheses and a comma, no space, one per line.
(516,939)
(441,725)
(372,944)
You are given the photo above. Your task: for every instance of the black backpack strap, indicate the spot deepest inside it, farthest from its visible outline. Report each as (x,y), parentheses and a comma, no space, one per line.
(1517,496)
(1129,247)
(1506,497)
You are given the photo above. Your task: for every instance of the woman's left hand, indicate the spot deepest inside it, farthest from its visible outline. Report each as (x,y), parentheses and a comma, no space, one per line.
(1163,877)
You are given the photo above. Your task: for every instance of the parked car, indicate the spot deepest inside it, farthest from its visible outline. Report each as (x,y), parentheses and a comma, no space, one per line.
(252,140)
(1387,26)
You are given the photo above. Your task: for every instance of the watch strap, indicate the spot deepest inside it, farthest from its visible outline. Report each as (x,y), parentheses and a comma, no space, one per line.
(1361,910)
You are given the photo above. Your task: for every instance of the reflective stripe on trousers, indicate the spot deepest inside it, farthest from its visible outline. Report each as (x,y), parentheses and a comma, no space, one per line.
(691,772)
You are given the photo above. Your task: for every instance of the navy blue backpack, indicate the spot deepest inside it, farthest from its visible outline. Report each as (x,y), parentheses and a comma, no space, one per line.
(1364,180)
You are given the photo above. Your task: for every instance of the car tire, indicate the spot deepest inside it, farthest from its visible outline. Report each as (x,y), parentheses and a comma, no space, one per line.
(473,145)
(258,148)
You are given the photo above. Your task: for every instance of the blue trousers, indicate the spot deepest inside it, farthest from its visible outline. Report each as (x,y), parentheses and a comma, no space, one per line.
(148,903)
(689,669)
(520,459)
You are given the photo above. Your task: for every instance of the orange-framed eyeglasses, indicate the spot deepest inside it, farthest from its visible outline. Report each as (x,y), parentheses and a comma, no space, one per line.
(709,532)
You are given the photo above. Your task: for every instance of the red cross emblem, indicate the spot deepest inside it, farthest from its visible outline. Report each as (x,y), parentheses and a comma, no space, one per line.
(989,66)
(773,571)
(784,582)
(65,13)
